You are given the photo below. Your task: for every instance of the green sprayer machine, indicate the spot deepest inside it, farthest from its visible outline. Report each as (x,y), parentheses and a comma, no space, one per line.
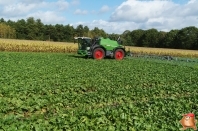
(99,48)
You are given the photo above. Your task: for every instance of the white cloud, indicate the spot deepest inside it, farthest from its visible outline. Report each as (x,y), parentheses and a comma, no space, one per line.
(18,9)
(104,9)
(130,15)
(48,17)
(162,15)
(93,12)
(30,1)
(80,12)
(5,2)
(75,2)
(141,11)
(108,27)
(48,12)
(62,4)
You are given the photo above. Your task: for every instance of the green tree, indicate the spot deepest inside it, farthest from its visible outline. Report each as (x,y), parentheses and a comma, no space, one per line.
(113,36)
(126,35)
(195,45)
(169,39)
(80,30)
(96,32)
(60,32)
(21,29)
(150,38)
(186,38)
(6,31)
(136,37)
(161,37)
(86,31)
(32,29)
(40,30)
(69,33)
(2,20)
(50,33)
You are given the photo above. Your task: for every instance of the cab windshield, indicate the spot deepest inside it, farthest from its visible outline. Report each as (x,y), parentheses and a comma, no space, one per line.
(83,43)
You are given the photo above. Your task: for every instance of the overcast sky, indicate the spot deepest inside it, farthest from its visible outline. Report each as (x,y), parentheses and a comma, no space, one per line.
(114,16)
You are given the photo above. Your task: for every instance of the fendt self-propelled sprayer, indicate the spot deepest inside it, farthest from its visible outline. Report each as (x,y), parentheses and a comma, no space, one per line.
(99,48)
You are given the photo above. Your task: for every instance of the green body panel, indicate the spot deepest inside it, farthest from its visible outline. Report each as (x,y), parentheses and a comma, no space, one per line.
(108,44)
(82,52)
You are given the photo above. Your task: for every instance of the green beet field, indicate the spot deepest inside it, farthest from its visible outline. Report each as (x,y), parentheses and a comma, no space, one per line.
(64,92)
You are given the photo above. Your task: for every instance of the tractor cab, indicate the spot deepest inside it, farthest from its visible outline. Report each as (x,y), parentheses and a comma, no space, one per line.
(84,44)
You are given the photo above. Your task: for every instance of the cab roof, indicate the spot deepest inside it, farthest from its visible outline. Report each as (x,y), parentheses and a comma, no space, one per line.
(82,38)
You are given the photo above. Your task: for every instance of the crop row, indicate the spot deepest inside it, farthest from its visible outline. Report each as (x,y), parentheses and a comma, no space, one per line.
(43,91)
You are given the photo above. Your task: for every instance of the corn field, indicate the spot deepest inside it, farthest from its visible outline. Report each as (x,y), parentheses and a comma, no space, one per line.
(13,45)
(164,51)
(36,46)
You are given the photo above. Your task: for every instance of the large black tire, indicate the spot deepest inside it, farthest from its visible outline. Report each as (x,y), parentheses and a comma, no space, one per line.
(98,53)
(119,54)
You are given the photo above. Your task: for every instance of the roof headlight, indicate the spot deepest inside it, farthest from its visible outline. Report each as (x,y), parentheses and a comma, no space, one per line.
(88,48)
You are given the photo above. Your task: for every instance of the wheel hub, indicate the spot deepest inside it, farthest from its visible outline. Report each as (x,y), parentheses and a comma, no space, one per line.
(119,55)
(98,54)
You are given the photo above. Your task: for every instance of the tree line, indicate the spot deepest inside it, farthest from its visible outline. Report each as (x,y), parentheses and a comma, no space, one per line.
(34,29)
(185,38)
